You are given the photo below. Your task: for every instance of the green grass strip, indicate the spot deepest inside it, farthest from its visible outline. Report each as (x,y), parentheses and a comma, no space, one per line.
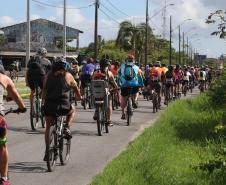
(167,153)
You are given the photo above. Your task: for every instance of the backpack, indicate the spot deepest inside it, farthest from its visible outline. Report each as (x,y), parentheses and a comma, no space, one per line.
(169,74)
(201,74)
(35,67)
(129,72)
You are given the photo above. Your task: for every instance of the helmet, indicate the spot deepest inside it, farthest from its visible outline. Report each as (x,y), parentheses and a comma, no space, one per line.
(170,68)
(42,51)
(89,60)
(177,66)
(60,63)
(104,63)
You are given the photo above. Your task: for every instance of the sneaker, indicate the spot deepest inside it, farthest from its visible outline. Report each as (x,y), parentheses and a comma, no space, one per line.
(123,116)
(67,132)
(110,124)
(3,182)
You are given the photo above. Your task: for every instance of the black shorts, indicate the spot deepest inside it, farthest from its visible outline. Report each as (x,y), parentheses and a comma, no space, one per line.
(125,91)
(32,82)
(85,79)
(54,109)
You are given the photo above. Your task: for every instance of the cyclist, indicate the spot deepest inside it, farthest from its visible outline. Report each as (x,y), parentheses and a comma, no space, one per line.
(86,74)
(6,83)
(169,81)
(155,81)
(129,76)
(186,77)
(202,79)
(56,95)
(38,66)
(105,74)
(178,77)
(75,70)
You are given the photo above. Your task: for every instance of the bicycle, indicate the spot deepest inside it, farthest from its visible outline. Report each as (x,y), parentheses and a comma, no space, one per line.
(36,115)
(129,108)
(57,146)
(87,97)
(101,95)
(115,103)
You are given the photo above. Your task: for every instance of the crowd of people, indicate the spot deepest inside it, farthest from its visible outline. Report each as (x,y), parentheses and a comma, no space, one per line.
(58,77)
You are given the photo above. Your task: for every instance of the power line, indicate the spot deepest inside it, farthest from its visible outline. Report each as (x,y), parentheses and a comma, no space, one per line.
(117,8)
(108,9)
(109,16)
(54,6)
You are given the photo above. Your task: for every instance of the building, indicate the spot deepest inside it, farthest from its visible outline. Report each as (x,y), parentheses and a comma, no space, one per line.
(44,33)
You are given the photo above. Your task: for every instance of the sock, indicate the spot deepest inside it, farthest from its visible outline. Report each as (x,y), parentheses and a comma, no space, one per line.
(4,178)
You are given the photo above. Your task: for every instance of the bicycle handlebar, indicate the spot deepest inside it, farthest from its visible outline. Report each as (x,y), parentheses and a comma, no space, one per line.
(17,111)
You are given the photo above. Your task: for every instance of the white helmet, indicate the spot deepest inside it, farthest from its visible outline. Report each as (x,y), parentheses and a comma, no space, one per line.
(42,51)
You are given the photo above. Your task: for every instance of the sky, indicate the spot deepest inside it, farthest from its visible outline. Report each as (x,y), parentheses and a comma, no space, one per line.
(80,15)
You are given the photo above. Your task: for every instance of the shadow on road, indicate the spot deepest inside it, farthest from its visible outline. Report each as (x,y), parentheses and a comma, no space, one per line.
(25,130)
(27,167)
(84,133)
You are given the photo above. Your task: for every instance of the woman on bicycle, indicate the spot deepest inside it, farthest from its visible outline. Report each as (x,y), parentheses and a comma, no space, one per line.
(105,74)
(56,95)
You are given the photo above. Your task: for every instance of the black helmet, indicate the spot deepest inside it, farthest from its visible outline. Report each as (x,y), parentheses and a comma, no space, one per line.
(104,62)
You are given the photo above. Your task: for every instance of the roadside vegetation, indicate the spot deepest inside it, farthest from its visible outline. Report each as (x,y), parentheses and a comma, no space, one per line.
(23,90)
(186,146)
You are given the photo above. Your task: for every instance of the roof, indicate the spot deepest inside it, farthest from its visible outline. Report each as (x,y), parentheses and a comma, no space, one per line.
(23,54)
(40,19)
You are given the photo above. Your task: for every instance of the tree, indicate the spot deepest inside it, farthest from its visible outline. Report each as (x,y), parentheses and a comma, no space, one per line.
(2,40)
(219,18)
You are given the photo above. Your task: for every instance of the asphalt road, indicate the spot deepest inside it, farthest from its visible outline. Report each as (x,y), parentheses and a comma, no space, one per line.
(89,152)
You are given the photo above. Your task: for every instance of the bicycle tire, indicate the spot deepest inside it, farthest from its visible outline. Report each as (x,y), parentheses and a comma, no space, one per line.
(64,147)
(51,149)
(33,117)
(99,121)
(105,121)
(129,111)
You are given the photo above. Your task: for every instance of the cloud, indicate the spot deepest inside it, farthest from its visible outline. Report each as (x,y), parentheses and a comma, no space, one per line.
(6,21)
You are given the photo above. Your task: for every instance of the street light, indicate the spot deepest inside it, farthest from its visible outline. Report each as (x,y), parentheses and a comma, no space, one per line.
(161,10)
(171,31)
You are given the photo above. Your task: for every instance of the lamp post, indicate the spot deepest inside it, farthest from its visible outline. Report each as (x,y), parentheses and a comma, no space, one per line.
(97,4)
(170,57)
(146,35)
(65,30)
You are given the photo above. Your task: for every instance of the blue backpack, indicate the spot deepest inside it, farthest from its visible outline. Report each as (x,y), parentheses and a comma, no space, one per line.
(129,72)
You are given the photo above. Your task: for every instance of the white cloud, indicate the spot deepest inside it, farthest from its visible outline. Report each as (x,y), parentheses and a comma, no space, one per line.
(34,16)
(6,21)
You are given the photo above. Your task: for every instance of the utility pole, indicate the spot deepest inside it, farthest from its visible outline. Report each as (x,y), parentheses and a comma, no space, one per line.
(179,46)
(170,57)
(183,49)
(164,22)
(97,4)
(28,34)
(146,35)
(65,30)
(187,52)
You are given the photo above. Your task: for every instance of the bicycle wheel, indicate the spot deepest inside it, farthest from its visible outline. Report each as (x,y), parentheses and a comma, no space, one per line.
(100,125)
(129,111)
(64,148)
(105,124)
(51,149)
(34,118)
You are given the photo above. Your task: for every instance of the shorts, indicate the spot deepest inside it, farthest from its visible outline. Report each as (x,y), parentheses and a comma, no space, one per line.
(169,84)
(185,82)
(155,85)
(85,79)
(125,91)
(3,130)
(54,109)
(33,82)
(177,82)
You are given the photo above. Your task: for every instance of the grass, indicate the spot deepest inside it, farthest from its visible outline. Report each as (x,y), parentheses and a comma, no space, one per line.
(167,153)
(23,90)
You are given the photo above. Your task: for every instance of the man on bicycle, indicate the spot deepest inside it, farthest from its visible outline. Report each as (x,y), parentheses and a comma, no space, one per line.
(130,78)
(86,74)
(38,66)
(56,95)
(6,83)
(105,74)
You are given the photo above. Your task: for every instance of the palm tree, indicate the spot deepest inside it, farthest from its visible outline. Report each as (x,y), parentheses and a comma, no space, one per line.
(132,38)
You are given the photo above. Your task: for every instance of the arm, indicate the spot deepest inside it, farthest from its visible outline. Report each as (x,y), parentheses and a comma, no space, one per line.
(12,92)
(73,84)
